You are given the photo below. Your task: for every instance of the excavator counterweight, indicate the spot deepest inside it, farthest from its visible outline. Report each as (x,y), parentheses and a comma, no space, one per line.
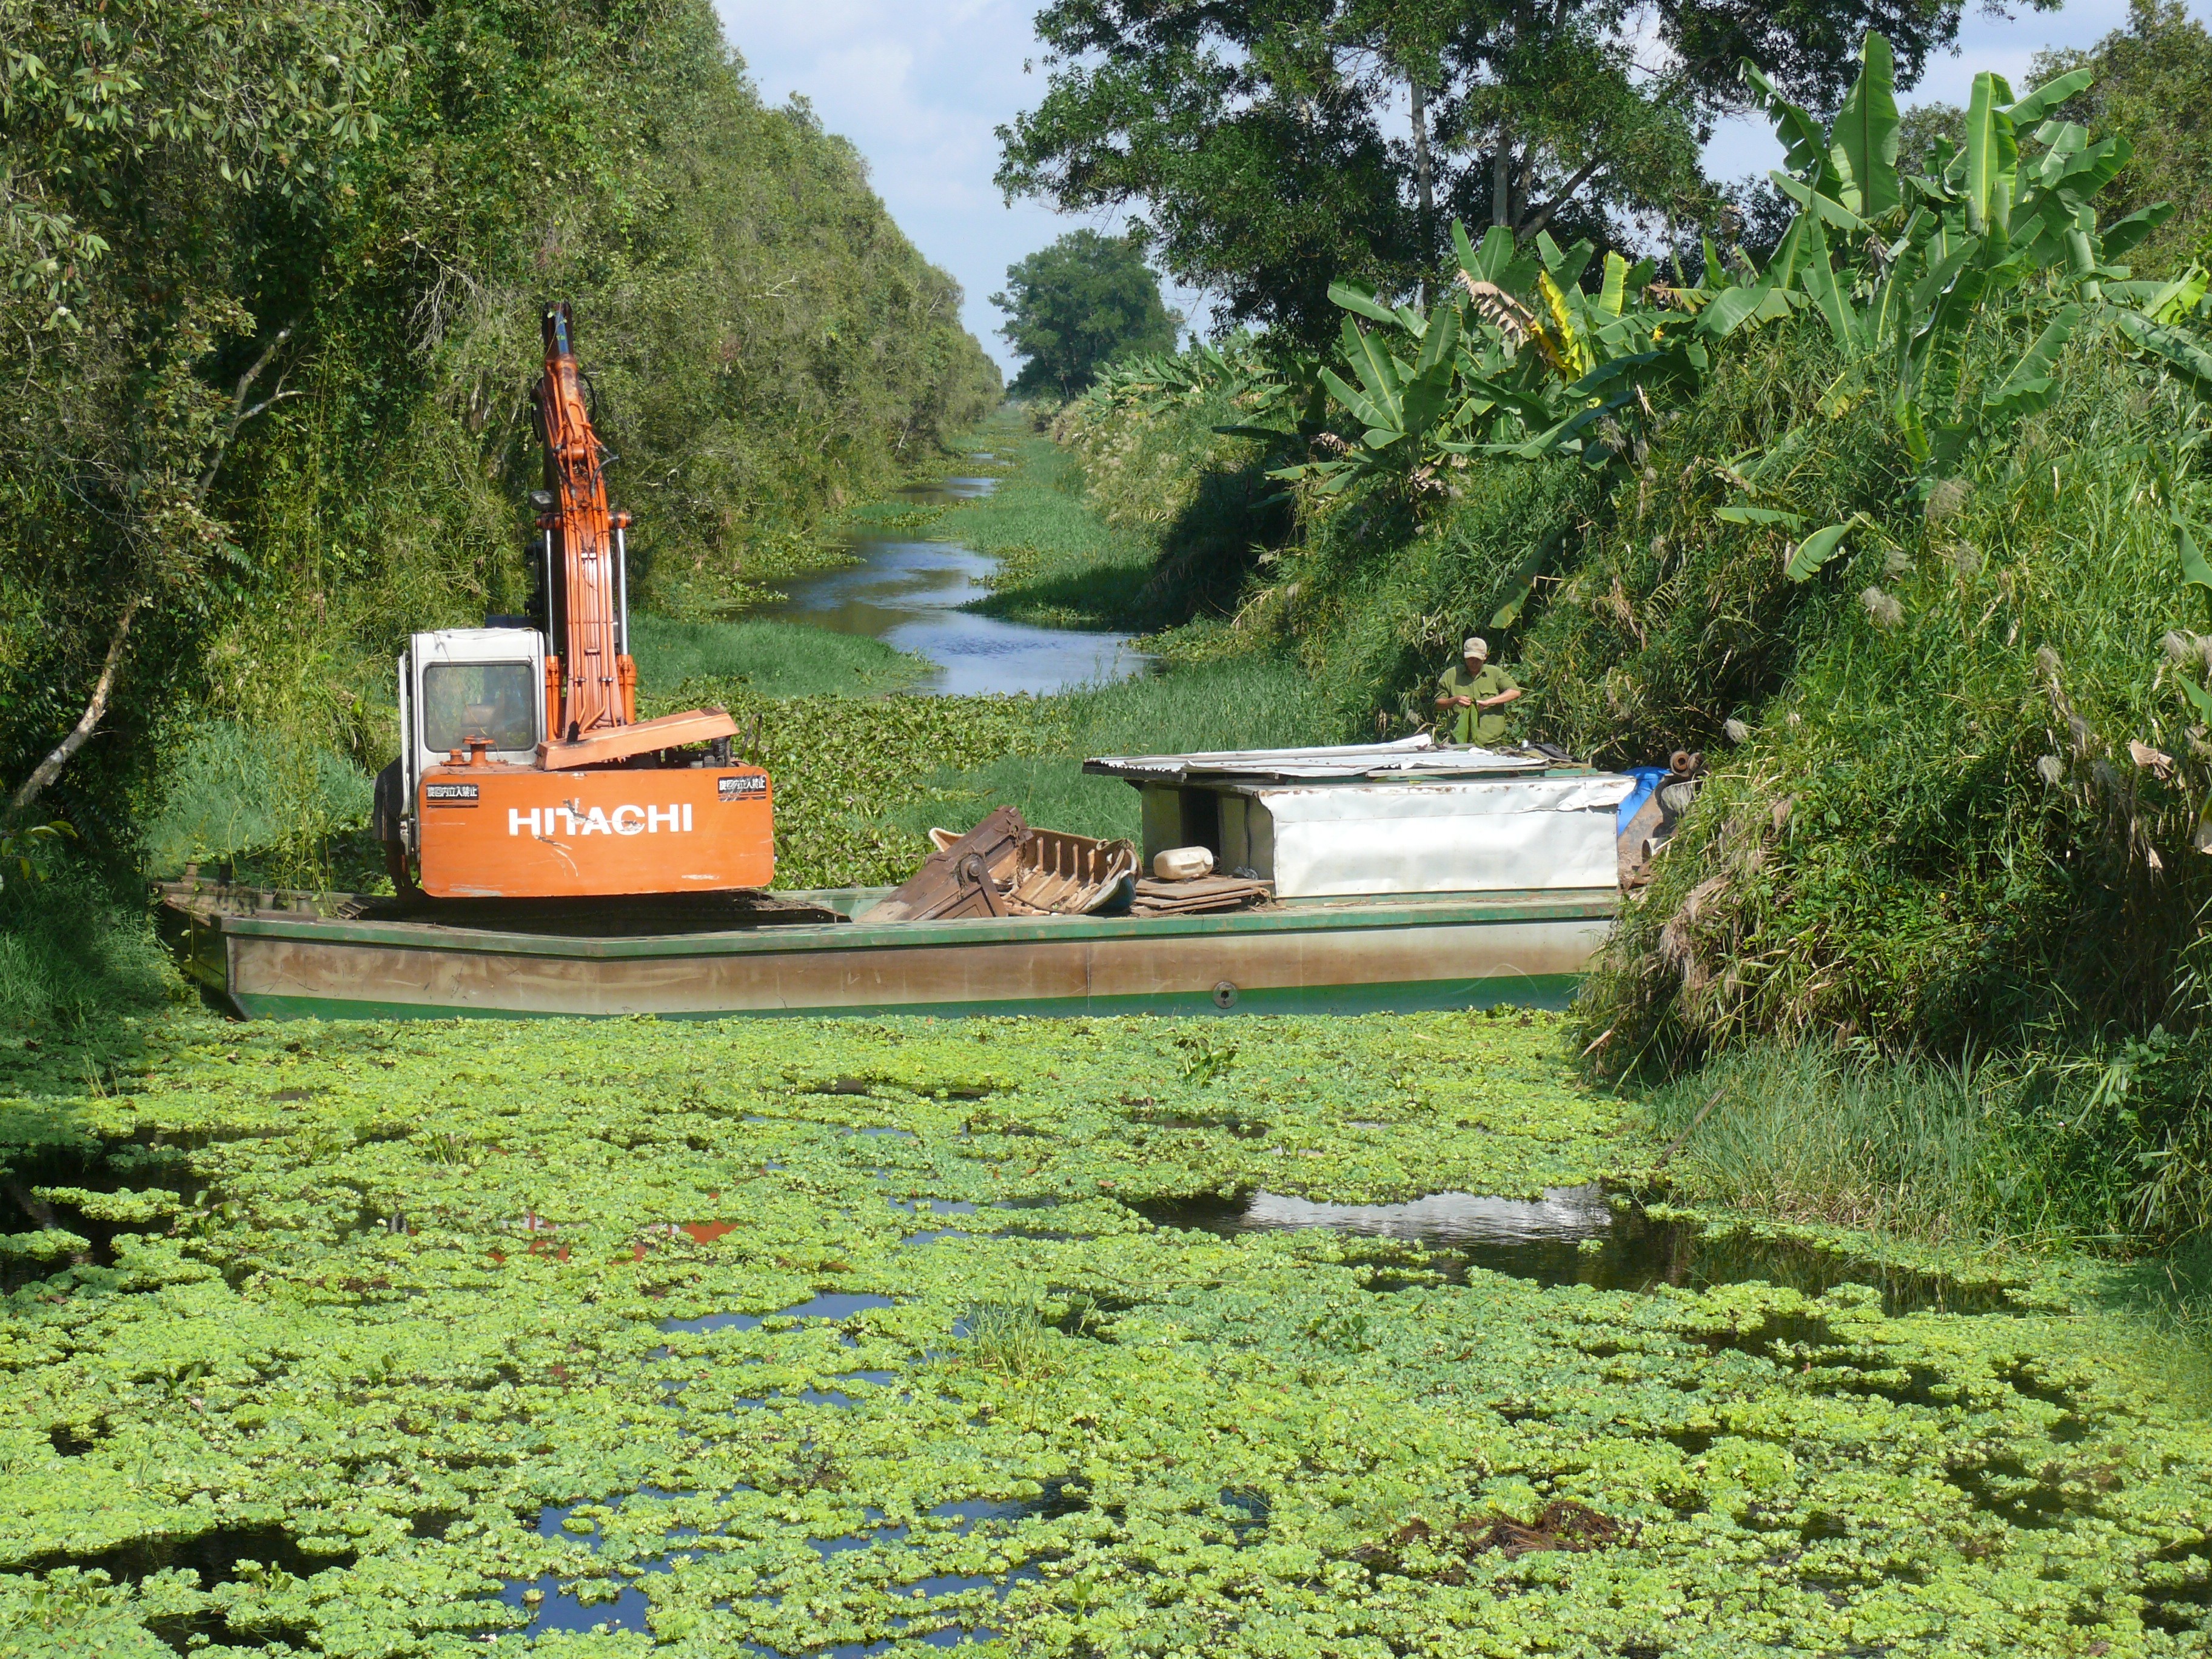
(527,771)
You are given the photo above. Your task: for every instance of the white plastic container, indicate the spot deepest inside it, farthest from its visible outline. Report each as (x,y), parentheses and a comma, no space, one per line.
(1184,863)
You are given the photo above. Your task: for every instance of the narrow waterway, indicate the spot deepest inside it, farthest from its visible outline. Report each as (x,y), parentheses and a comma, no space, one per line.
(910,594)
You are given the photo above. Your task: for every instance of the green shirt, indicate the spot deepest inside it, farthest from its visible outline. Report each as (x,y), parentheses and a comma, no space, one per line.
(1482,726)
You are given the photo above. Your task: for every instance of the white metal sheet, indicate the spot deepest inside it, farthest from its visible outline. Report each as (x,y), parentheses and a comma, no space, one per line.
(1464,837)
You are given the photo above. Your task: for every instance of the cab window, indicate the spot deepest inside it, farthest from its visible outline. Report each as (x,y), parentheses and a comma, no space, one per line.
(492,700)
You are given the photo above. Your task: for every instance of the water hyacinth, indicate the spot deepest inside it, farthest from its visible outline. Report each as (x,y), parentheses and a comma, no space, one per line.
(410,1337)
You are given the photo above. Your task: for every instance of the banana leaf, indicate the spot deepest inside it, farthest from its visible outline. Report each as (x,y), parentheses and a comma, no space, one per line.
(1368,412)
(1496,262)
(2027,388)
(1816,551)
(2196,569)
(1805,146)
(1732,308)
(1940,275)
(1862,142)
(1758,515)
(2049,95)
(1376,369)
(2123,234)
(1824,207)
(1827,293)
(1354,297)
(1438,339)
(1574,354)
(1425,397)
(1534,410)
(1935,388)
(1611,293)
(1566,267)
(1992,155)
(2181,350)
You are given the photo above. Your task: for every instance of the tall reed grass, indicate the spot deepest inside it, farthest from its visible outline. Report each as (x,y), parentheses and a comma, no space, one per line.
(1241,703)
(1809,1133)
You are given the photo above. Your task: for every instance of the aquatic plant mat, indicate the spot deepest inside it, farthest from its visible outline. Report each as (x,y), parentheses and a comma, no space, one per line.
(1279,1338)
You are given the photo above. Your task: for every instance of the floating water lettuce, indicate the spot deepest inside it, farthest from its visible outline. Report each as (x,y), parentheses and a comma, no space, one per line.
(806,1338)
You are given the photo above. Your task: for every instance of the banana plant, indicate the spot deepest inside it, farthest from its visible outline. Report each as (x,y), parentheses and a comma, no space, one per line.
(2170,321)
(1520,360)
(1945,248)
(1153,381)
(1398,403)
(1941,252)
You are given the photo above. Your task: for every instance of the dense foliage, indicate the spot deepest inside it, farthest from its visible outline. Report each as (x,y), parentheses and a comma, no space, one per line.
(1909,544)
(372,1340)
(1256,139)
(271,302)
(1079,304)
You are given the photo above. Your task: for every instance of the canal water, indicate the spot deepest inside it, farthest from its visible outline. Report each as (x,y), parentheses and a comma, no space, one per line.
(910,594)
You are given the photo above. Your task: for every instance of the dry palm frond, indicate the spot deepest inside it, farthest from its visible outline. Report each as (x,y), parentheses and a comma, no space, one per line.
(1500,309)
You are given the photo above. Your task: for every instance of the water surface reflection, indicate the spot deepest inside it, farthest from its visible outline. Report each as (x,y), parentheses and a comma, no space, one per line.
(908,594)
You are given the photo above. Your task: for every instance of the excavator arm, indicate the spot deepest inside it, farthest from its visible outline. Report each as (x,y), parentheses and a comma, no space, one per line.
(591,678)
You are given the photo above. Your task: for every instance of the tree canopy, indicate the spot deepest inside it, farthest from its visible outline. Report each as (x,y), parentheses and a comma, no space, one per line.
(270,281)
(1076,305)
(1258,138)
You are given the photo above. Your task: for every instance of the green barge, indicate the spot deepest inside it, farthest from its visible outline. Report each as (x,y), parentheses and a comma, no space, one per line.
(276,956)
(1381,876)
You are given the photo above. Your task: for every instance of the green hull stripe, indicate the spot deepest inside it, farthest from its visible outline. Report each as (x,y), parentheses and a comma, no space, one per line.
(1299,916)
(1408,996)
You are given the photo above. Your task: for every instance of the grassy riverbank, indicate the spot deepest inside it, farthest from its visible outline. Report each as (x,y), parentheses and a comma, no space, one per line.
(389,1340)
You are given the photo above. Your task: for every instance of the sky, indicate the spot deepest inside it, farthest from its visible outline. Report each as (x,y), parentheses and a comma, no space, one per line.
(920,85)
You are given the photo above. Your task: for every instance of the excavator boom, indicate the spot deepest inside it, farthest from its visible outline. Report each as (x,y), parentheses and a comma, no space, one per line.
(596,678)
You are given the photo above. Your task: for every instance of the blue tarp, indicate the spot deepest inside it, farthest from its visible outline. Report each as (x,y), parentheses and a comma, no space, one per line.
(1647,779)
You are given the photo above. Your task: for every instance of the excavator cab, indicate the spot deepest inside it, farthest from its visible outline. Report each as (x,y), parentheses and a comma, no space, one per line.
(473,686)
(525,770)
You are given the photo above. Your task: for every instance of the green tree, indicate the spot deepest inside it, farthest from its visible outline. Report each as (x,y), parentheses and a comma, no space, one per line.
(270,281)
(2154,88)
(148,149)
(1257,137)
(1073,306)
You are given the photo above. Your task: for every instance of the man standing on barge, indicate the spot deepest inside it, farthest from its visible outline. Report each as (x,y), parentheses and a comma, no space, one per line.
(1470,696)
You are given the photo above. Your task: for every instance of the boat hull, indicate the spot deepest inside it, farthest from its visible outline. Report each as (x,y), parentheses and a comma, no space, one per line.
(1338,957)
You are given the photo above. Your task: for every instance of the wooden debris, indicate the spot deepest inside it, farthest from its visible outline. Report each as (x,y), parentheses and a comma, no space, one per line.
(1564,1525)
(1004,867)
(1198,896)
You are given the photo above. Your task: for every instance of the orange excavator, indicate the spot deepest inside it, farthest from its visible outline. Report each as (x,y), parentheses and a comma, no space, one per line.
(526,771)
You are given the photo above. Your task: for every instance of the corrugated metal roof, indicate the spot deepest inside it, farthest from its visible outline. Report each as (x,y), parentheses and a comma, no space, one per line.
(1414,756)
